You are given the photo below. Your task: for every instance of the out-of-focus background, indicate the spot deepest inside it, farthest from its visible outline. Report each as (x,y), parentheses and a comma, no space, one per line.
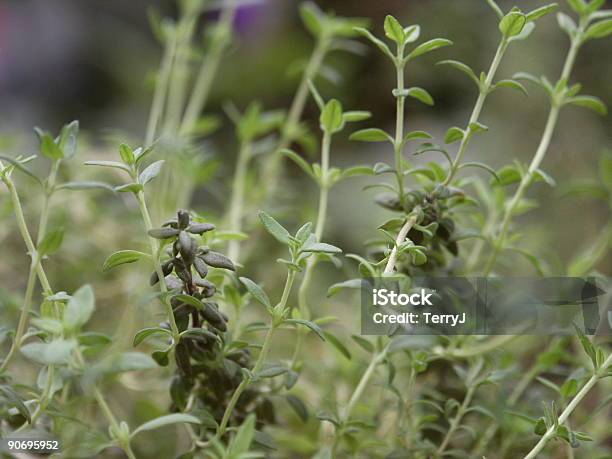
(94,60)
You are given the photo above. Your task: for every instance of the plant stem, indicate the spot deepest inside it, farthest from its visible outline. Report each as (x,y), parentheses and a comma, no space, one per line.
(37,267)
(161,89)
(179,73)
(549,129)
(155,253)
(270,170)
(320,224)
(25,312)
(401,237)
(482,95)
(357,393)
(25,233)
(44,214)
(209,67)
(237,200)
(261,358)
(456,420)
(569,409)
(398,144)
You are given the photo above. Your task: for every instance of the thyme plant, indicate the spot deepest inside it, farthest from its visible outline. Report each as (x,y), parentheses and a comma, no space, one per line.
(231,366)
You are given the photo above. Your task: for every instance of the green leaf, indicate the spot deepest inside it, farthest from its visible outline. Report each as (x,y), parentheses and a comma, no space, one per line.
(512,24)
(143,334)
(162,421)
(363,343)
(129,188)
(298,406)
(124,362)
(113,164)
(351,283)
(356,171)
(380,44)
(539,174)
(51,242)
(371,135)
(79,308)
(20,167)
(257,292)
(394,30)
(481,166)
(590,102)
(569,388)
(272,370)
(416,135)
(299,161)
(512,84)
(311,17)
(429,46)
(578,6)
(331,120)
(52,353)
(314,327)
(337,344)
(540,427)
(241,443)
(122,257)
(477,127)
(67,139)
(453,134)
(600,29)
(412,33)
(11,396)
(84,185)
(190,300)
(507,175)
(274,228)
(321,247)
(588,347)
(421,95)
(150,172)
(48,147)
(355,116)
(542,11)
(463,68)
(566,23)
(126,153)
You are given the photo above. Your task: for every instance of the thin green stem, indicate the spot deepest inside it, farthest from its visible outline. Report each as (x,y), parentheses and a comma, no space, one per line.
(161,89)
(237,200)
(25,312)
(456,422)
(179,75)
(155,254)
(484,91)
(549,129)
(398,144)
(44,214)
(377,358)
(209,68)
(270,170)
(38,268)
(261,358)
(569,409)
